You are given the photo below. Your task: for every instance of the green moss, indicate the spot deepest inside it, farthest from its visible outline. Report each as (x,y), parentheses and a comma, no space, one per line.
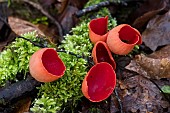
(15,58)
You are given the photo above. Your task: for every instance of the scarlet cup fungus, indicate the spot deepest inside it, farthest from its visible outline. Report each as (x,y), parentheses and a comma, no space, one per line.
(99,82)
(101,53)
(46,66)
(98,29)
(122,39)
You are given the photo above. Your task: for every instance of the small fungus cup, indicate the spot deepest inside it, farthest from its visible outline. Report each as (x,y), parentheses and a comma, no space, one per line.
(101,53)
(46,66)
(98,29)
(99,82)
(122,39)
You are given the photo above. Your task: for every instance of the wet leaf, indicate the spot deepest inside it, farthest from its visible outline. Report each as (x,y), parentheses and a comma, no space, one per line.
(66,19)
(140,95)
(155,65)
(157,32)
(6,34)
(20,26)
(22,105)
(79,4)
(148,10)
(59,5)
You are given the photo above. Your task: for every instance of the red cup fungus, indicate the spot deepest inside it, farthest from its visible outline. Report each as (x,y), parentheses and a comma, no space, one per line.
(46,66)
(122,39)
(99,82)
(98,29)
(101,53)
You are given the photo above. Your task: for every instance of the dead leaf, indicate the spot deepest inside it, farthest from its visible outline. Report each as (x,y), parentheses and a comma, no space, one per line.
(150,67)
(155,65)
(66,19)
(57,6)
(22,105)
(157,32)
(162,53)
(141,95)
(78,4)
(20,26)
(6,34)
(148,10)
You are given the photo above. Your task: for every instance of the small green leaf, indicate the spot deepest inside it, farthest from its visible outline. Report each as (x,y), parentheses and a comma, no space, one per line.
(166,89)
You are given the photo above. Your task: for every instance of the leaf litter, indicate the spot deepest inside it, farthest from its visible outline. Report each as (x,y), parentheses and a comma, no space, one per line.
(157,32)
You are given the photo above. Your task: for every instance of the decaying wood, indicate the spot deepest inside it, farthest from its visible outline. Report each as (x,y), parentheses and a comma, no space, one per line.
(17,90)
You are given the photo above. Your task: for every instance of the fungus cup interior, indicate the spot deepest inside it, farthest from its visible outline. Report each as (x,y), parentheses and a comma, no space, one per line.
(128,35)
(99,26)
(52,62)
(103,55)
(101,81)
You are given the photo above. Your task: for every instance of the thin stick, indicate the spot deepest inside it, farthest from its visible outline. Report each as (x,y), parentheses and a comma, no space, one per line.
(119,100)
(32,42)
(101,5)
(43,11)
(71,53)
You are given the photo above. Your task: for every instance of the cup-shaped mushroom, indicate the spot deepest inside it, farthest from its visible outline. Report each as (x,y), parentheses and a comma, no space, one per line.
(99,82)
(98,29)
(46,66)
(122,39)
(101,53)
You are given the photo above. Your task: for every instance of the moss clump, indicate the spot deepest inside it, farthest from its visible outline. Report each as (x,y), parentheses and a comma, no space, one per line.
(68,88)
(15,58)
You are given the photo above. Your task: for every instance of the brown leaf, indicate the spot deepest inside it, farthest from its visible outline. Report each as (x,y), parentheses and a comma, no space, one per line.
(155,65)
(79,4)
(162,53)
(150,67)
(54,5)
(157,32)
(6,34)
(20,26)
(141,95)
(148,10)
(22,105)
(66,19)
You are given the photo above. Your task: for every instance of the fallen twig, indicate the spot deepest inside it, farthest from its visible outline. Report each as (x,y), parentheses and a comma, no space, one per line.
(43,11)
(17,90)
(101,5)
(88,59)
(119,100)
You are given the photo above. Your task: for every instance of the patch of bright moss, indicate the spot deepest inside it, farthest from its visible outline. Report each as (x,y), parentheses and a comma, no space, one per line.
(15,58)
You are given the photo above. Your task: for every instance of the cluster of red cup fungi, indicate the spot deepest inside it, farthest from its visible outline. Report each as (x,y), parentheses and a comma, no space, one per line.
(100,81)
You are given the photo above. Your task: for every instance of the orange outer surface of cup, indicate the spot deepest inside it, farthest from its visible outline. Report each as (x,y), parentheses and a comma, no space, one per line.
(38,70)
(116,45)
(98,29)
(104,53)
(110,81)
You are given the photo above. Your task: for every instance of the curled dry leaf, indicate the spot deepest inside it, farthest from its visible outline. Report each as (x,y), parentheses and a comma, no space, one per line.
(66,18)
(148,10)
(20,26)
(155,65)
(157,32)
